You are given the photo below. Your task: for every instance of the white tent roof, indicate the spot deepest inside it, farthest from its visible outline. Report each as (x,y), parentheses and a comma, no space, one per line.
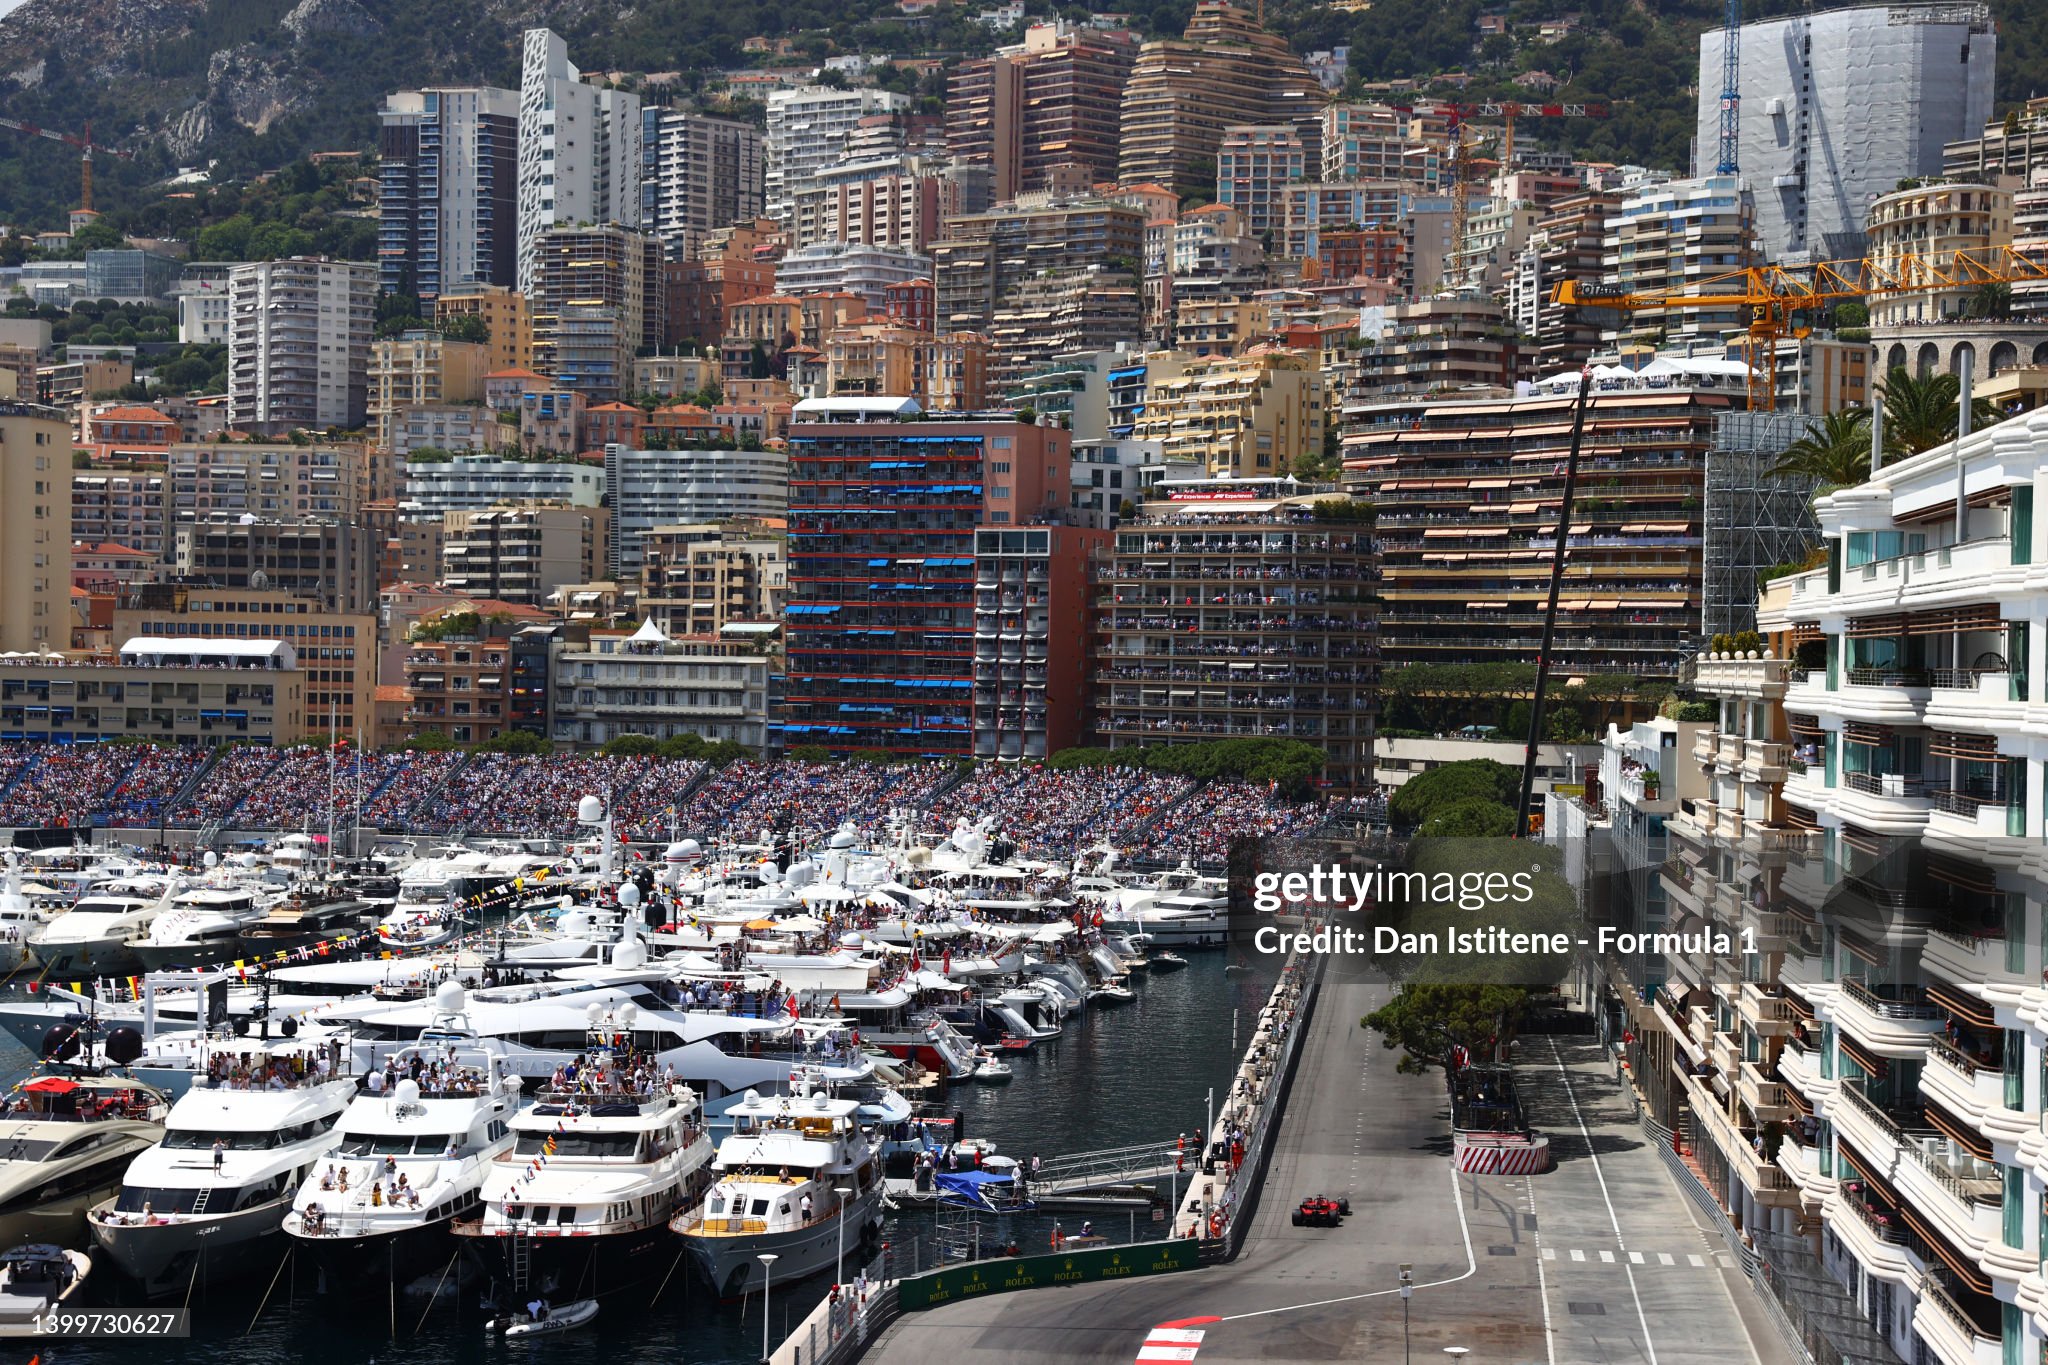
(648,634)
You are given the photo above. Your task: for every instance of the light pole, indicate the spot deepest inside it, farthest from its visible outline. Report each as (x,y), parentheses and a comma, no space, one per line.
(1407,1293)
(768,1260)
(1457,1354)
(839,1267)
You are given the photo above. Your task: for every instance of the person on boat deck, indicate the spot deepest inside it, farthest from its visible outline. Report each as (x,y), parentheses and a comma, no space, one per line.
(327,1177)
(1087,1228)
(406,1191)
(807,1208)
(390,1167)
(376,1195)
(220,1152)
(376,1082)
(538,1310)
(454,1149)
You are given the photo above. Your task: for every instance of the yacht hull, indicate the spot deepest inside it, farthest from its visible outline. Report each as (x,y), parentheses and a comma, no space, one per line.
(348,1262)
(168,1258)
(574,1267)
(731,1266)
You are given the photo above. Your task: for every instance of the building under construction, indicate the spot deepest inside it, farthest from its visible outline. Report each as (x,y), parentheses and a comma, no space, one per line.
(1752,520)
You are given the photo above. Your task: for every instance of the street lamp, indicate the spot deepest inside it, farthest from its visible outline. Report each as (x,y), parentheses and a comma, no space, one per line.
(1457,1353)
(839,1267)
(768,1260)
(1407,1293)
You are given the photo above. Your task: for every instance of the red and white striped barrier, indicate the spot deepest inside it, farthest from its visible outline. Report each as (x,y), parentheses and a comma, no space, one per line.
(1173,1343)
(1501,1153)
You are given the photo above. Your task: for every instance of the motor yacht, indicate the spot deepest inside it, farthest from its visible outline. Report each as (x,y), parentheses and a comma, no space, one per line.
(92,937)
(776,1191)
(608,1154)
(209,1200)
(202,926)
(65,1141)
(408,1159)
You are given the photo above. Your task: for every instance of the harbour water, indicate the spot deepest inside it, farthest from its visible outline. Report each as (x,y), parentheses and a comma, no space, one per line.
(1116,1076)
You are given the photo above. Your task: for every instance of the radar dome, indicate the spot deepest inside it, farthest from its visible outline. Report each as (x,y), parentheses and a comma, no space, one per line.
(753,1097)
(629,955)
(595,1014)
(629,894)
(590,810)
(844,839)
(212,859)
(124,1045)
(575,924)
(628,1012)
(449,996)
(408,1091)
(60,1044)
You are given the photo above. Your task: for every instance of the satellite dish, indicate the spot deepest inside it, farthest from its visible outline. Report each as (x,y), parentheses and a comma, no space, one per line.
(629,894)
(408,1092)
(448,997)
(212,859)
(590,811)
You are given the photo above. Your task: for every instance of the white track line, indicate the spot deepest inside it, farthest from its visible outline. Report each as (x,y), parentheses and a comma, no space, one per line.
(1649,1347)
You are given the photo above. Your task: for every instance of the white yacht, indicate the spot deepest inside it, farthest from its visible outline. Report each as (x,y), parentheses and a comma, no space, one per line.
(21,917)
(210,1199)
(202,926)
(774,1191)
(91,938)
(580,1207)
(65,1141)
(407,1160)
(437,895)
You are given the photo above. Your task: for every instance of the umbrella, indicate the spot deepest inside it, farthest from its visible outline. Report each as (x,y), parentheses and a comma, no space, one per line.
(50,1085)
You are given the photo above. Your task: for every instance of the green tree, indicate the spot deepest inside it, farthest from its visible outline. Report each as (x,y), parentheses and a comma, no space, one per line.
(1426,1021)
(1834,452)
(1470,779)
(524,742)
(1991,300)
(466,327)
(1473,819)
(1920,411)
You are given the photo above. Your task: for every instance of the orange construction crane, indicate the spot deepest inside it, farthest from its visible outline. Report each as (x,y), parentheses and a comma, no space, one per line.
(85,145)
(1774,296)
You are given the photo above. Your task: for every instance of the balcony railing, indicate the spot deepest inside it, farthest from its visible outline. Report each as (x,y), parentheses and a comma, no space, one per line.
(1909,1003)
(1886,1227)
(1885,784)
(1888,677)
(1933,1296)
(1961,679)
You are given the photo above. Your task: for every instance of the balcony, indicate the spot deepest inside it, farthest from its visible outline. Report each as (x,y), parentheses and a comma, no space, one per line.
(1765,760)
(1800,1068)
(1951,1334)
(1765,1099)
(1973,1088)
(1727,752)
(1955,1190)
(1876,1236)
(1703,746)
(1972,814)
(1892,1021)
(1766,1010)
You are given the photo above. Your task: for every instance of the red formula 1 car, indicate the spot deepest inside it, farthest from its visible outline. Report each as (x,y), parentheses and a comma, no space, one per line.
(1318,1211)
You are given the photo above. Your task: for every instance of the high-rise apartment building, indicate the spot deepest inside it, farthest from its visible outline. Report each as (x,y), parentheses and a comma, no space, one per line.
(845,266)
(1932,221)
(35,528)
(1567,244)
(580,158)
(335,562)
(1812,150)
(1192,655)
(299,344)
(1254,166)
(1031,607)
(650,488)
(474,482)
(702,174)
(447,201)
(1049,106)
(1375,142)
(217,480)
(1468,494)
(596,301)
(808,130)
(880,629)
(897,201)
(521,553)
(1183,92)
(113,506)
(1059,311)
(735,267)
(1669,236)
(985,256)
(698,579)
(1251,415)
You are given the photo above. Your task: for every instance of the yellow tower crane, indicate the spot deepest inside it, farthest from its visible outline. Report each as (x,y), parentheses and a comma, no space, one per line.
(1775,298)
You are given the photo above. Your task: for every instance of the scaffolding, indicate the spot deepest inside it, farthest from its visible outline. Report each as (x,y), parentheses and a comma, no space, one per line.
(1752,520)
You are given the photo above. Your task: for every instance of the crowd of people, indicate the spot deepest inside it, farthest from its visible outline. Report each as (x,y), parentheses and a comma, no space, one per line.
(75,784)
(1039,811)
(1056,814)
(522,794)
(1202,828)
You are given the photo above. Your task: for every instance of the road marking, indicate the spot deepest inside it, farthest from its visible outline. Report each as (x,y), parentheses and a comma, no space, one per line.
(1649,1347)
(1173,1343)
(1664,1258)
(1578,1255)
(1697,1263)
(1607,1257)
(1550,1253)
(1635,1258)
(1542,1280)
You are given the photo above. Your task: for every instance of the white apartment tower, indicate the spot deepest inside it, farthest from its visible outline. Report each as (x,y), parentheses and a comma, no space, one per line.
(299,344)
(808,131)
(579,148)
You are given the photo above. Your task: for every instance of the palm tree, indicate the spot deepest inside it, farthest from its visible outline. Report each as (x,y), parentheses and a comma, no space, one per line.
(1834,452)
(1920,412)
(1992,299)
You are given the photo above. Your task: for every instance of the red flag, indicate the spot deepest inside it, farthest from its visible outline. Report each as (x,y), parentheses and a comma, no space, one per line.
(791,1002)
